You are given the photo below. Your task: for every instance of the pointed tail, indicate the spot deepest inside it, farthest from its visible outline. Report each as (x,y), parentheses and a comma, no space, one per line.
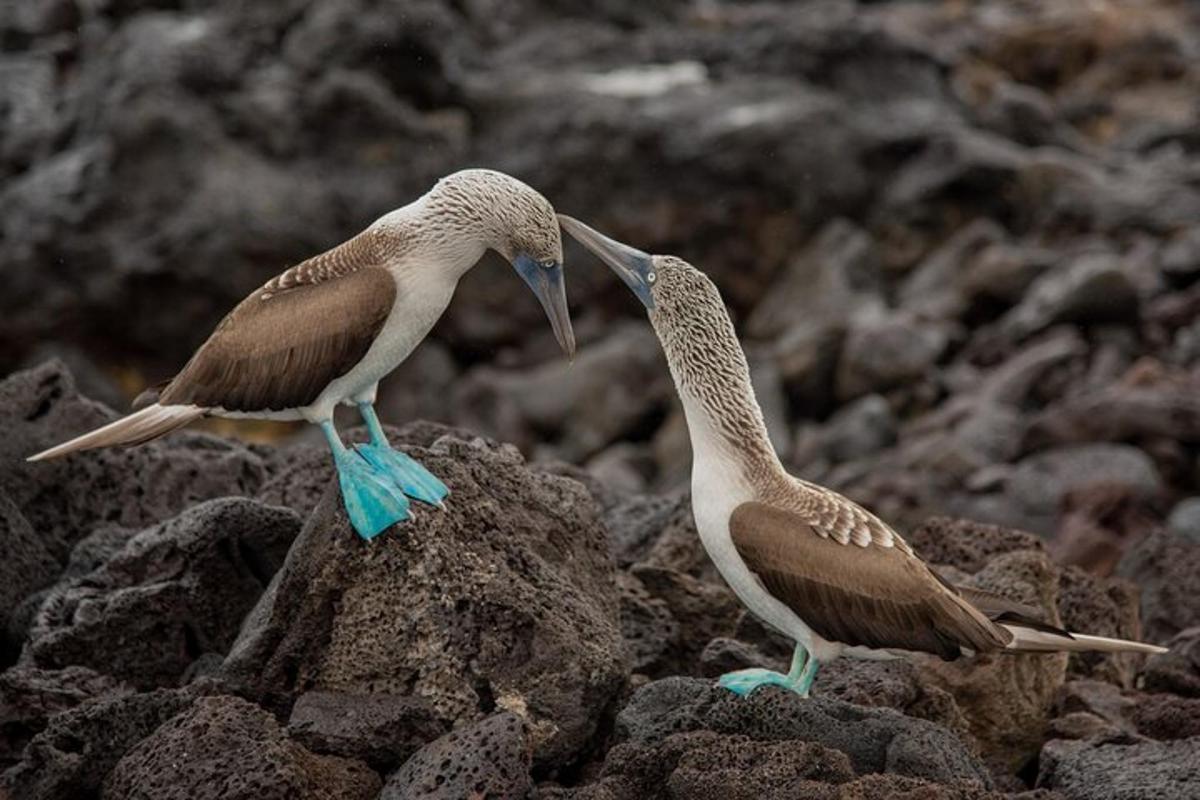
(1031,635)
(140,426)
(1034,640)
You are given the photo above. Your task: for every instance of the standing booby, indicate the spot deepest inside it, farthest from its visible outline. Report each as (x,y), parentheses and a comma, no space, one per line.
(327,330)
(809,562)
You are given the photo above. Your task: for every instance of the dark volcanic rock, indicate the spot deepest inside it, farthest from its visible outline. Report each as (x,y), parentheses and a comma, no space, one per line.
(29,697)
(380,729)
(1177,670)
(1167,569)
(965,544)
(28,561)
(875,740)
(506,599)
(65,498)
(173,593)
(489,759)
(223,747)
(1086,770)
(71,757)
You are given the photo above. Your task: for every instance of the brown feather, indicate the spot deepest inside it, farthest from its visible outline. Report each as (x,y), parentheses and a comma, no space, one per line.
(283,345)
(873,596)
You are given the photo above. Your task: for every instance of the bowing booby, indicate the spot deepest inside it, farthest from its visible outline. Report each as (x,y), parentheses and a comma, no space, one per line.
(809,562)
(325,332)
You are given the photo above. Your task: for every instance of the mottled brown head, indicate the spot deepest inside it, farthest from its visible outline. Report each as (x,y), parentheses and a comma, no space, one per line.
(697,336)
(516,221)
(513,218)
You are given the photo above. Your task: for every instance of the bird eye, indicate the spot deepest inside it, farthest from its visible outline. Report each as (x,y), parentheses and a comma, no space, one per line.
(651,277)
(548,263)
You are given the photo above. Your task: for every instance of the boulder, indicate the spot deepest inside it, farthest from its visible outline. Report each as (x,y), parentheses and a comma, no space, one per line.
(1005,698)
(1121,770)
(874,740)
(1167,570)
(506,599)
(78,747)
(224,747)
(382,730)
(1178,669)
(29,697)
(172,593)
(490,758)
(65,498)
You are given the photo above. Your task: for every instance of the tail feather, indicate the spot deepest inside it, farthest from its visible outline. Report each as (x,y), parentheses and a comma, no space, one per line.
(1031,640)
(141,426)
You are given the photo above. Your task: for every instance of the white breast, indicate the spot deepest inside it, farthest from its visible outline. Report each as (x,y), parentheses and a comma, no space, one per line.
(419,304)
(718,487)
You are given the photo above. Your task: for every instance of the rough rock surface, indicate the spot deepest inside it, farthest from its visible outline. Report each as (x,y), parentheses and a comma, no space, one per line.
(171,594)
(874,740)
(490,758)
(224,747)
(507,599)
(970,289)
(1128,770)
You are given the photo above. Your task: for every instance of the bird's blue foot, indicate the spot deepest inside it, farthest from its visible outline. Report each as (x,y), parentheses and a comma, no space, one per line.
(799,679)
(404,473)
(372,502)
(745,681)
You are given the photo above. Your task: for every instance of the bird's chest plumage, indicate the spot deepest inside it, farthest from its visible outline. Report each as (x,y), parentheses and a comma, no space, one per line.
(419,304)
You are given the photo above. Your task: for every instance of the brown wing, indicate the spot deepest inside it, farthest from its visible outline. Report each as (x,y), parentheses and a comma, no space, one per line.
(285,343)
(872,596)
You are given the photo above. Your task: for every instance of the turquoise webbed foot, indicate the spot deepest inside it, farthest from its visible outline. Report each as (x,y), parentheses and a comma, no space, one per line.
(404,473)
(799,678)
(372,502)
(745,681)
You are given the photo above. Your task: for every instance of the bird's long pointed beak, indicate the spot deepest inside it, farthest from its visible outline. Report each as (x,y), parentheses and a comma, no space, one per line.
(631,265)
(548,284)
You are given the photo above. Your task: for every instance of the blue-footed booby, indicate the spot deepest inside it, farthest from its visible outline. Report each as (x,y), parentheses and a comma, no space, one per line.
(812,564)
(328,329)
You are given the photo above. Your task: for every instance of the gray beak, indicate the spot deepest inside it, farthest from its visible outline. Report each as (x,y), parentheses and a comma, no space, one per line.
(548,285)
(631,265)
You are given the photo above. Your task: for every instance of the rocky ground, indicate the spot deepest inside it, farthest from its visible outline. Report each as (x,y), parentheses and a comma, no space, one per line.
(962,244)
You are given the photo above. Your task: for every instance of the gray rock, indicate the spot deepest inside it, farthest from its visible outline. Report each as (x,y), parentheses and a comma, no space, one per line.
(65,498)
(30,697)
(1184,519)
(1092,289)
(490,758)
(857,430)
(1041,482)
(1180,259)
(876,740)
(27,560)
(577,410)
(170,594)
(224,747)
(1177,670)
(1167,570)
(382,730)
(887,352)
(1121,771)
(78,747)
(967,545)
(505,599)
(647,625)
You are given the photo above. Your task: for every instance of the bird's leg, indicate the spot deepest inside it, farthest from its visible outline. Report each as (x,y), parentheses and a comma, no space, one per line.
(798,679)
(807,676)
(406,474)
(372,504)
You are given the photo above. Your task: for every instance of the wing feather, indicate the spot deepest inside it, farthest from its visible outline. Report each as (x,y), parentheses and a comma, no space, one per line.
(865,596)
(283,345)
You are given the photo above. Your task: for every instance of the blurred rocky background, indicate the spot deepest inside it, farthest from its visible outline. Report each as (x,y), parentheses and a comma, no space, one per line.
(960,240)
